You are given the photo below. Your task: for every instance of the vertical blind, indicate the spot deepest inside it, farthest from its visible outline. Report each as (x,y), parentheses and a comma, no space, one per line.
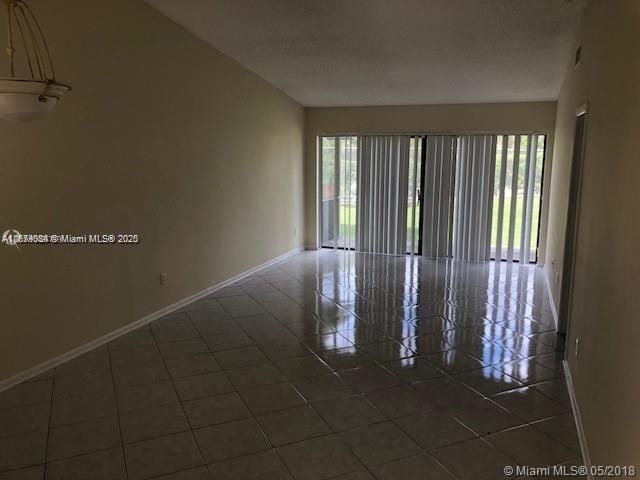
(518,190)
(437,204)
(383,189)
(473,197)
(494,185)
(476,196)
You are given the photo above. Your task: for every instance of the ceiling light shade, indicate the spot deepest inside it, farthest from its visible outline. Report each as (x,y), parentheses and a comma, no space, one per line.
(28,96)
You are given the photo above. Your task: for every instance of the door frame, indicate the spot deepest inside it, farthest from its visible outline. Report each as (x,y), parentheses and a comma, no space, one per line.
(573,219)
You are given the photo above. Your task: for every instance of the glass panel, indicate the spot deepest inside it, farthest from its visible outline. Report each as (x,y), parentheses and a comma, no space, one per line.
(348,168)
(328,167)
(508,184)
(339,157)
(519,193)
(413,207)
(329,201)
(495,220)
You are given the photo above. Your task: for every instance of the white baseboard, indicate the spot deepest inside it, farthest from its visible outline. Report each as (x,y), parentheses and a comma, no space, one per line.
(552,303)
(76,352)
(582,439)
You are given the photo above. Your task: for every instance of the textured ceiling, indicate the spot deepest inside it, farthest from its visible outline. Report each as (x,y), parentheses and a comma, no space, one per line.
(392,52)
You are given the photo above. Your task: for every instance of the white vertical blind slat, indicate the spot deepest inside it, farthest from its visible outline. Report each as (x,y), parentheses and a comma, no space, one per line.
(503,176)
(530,194)
(430,203)
(524,249)
(336,213)
(514,198)
(490,194)
(475,235)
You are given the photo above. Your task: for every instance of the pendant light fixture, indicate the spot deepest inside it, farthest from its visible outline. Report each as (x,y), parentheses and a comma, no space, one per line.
(27,94)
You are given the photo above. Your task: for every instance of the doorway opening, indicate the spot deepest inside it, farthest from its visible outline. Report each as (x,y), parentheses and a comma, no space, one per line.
(571,230)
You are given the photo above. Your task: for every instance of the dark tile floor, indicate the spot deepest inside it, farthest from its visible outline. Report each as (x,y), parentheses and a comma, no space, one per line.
(328,365)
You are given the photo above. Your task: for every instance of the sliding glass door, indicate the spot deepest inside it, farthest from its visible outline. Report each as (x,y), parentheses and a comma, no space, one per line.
(339,173)
(517,197)
(483,196)
(328,192)
(472,197)
(370,193)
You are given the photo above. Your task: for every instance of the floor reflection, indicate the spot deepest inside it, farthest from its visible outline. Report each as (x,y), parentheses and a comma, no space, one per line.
(424,314)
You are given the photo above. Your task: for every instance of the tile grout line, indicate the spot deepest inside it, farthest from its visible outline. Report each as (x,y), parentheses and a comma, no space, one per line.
(253,416)
(115,396)
(175,390)
(408,384)
(333,433)
(46,448)
(309,404)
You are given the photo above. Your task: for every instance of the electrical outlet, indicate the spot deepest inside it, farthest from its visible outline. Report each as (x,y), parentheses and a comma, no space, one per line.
(557,278)
(163,278)
(577,347)
(295,231)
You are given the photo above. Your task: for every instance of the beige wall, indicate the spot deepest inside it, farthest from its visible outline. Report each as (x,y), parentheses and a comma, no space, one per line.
(471,118)
(606,304)
(162,136)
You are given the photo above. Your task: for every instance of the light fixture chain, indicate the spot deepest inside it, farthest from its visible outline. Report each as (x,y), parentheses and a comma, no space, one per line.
(10,49)
(37,39)
(33,40)
(25,45)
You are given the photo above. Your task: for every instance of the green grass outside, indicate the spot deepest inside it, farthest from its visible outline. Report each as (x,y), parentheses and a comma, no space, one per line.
(348,223)
(517,234)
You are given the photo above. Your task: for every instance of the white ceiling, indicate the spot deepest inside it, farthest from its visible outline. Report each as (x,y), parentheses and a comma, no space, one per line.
(392,52)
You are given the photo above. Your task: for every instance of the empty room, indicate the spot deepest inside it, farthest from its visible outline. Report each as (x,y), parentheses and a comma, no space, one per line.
(319,239)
